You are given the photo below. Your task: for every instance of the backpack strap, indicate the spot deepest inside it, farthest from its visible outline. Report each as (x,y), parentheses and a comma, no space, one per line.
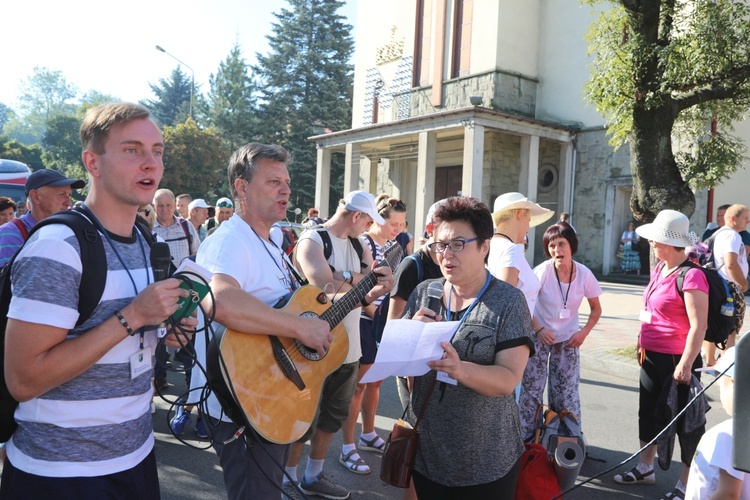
(681,272)
(22,228)
(93,263)
(420,272)
(373,246)
(359,249)
(188,234)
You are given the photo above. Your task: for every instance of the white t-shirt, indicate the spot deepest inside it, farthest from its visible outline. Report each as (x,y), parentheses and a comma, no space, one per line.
(258,266)
(503,254)
(714,453)
(343,258)
(553,294)
(728,240)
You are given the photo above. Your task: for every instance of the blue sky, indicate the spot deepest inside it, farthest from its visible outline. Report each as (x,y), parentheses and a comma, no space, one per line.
(110,46)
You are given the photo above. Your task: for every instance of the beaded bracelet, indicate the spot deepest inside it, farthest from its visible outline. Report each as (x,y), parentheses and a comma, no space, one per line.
(124,323)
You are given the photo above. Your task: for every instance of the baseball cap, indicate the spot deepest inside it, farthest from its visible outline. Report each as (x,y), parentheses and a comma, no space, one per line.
(726,360)
(362,201)
(45,177)
(197,203)
(224,203)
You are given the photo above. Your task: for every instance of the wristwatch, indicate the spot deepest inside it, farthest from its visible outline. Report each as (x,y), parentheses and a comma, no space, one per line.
(348,277)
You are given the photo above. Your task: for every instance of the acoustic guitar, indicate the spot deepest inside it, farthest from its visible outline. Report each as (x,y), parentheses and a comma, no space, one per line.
(274,383)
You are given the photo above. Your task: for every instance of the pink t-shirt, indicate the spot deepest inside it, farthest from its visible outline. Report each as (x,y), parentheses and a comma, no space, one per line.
(668,330)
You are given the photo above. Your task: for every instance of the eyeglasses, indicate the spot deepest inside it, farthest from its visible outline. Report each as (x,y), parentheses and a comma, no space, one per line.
(225,204)
(146,211)
(453,245)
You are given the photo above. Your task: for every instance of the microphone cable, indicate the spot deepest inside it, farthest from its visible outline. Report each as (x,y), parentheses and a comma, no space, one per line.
(634,455)
(247,433)
(181,334)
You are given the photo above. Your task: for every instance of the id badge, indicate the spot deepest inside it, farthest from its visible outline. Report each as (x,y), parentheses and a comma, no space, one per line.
(645,316)
(444,377)
(564,313)
(140,363)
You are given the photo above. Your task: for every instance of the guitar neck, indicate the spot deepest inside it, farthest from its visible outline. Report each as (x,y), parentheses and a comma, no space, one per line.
(350,300)
(353,297)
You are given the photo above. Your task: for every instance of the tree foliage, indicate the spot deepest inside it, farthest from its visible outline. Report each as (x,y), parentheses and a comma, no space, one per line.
(44,94)
(194,161)
(172,102)
(669,69)
(14,150)
(6,114)
(232,100)
(62,146)
(306,85)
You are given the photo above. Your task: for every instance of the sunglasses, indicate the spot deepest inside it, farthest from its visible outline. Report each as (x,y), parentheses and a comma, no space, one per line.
(225,204)
(145,211)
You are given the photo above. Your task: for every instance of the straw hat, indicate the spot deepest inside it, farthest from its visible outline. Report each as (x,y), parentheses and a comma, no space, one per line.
(517,201)
(670,228)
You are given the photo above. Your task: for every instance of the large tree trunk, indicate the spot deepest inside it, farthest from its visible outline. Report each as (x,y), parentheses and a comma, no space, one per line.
(657,183)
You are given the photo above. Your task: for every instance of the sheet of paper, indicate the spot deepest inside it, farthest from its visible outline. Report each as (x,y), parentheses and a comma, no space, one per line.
(407,346)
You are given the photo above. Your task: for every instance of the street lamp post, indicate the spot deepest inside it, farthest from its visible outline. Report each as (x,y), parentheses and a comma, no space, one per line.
(192,77)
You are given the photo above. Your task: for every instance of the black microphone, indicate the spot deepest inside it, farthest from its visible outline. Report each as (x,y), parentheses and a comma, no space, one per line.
(434,296)
(161,261)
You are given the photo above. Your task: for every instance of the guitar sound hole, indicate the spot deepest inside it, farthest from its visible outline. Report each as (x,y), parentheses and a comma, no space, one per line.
(308,353)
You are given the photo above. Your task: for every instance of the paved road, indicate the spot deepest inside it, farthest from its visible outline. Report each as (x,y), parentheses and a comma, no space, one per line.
(609,393)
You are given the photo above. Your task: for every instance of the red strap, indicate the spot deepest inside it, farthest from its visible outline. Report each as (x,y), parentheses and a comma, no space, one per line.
(21,227)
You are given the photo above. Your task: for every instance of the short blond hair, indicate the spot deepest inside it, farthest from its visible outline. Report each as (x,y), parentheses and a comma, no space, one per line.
(502,216)
(99,120)
(735,211)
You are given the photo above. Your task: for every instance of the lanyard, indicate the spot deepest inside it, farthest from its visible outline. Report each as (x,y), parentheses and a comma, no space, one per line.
(504,236)
(114,249)
(288,274)
(655,284)
(138,237)
(449,314)
(570,280)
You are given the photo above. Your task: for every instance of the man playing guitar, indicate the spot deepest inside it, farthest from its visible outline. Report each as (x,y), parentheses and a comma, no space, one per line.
(250,276)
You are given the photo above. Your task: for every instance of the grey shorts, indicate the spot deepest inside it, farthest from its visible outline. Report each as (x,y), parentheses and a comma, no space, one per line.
(338,391)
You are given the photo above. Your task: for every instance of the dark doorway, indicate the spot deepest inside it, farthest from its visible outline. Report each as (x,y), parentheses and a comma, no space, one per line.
(448,181)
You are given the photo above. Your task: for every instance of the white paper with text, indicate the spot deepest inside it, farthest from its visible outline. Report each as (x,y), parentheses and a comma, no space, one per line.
(407,346)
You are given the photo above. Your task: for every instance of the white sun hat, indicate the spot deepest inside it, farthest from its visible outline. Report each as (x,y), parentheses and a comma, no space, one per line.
(670,227)
(517,201)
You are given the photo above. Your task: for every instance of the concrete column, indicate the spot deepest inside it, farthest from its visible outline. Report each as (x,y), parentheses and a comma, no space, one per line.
(438,58)
(529,180)
(371,184)
(473,170)
(565,178)
(425,191)
(351,168)
(322,181)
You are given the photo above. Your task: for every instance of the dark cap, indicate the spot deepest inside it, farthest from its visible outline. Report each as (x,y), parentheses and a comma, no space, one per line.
(41,178)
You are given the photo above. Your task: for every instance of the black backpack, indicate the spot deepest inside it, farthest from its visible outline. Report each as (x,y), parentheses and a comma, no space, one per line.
(328,246)
(721,306)
(93,280)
